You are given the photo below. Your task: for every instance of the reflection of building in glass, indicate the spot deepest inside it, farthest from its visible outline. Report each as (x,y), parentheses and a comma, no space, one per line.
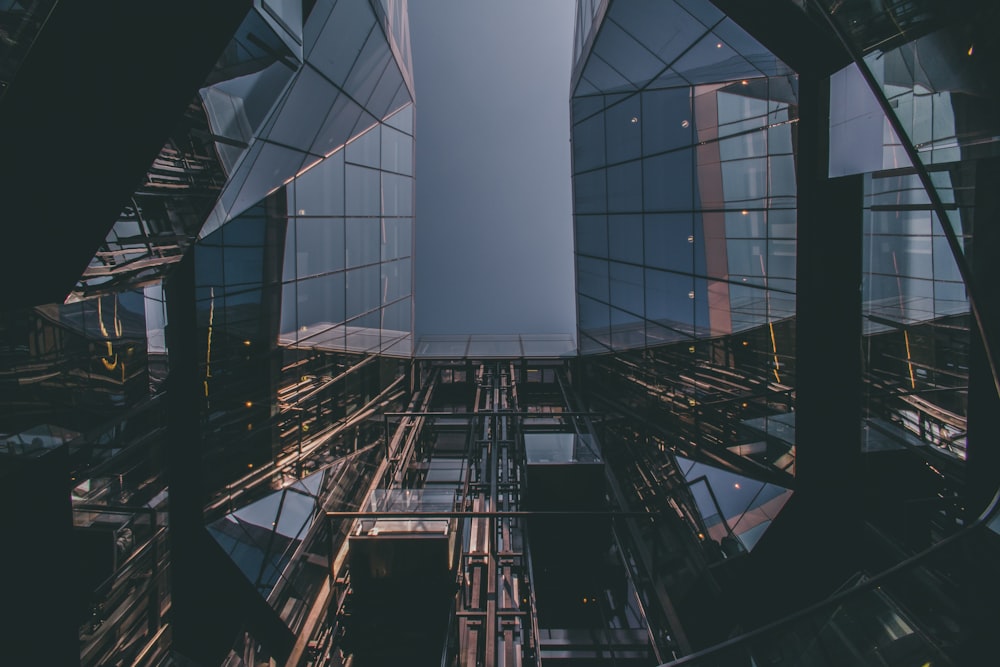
(772,443)
(684,177)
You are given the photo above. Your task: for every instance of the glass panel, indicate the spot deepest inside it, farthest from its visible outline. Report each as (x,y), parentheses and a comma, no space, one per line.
(337,48)
(397,151)
(592,278)
(304,110)
(590,192)
(588,143)
(397,195)
(396,238)
(627,287)
(667,182)
(625,187)
(366,149)
(363,242)
(319,301)
(367,71)
(626,55)
(623,129)
(662,27)
(339,125)
(592,235)
(395,280)
(320,190)
(319,245)
(625,238)
(363,188)
(363,290)
(666,120)
(669,241)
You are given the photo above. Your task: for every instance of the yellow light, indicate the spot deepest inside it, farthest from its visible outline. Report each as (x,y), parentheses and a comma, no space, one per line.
(736,485)
(584,600)
(971,50)
(743,404)
(718,45)
(744,212)
(249,404)
(691,349)
(744,82)
(701,536)
(249,427)
(246,343)
(746,343)
(909,360)
(774,346)
(249,465)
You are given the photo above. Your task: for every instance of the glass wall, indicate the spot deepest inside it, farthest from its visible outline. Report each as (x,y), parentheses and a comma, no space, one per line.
(685,212)
(347,271)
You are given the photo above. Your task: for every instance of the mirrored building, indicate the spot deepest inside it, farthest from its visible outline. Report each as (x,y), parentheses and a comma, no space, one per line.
(772,442)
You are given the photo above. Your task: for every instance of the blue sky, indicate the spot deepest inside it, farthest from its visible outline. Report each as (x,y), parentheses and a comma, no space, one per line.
(493,231)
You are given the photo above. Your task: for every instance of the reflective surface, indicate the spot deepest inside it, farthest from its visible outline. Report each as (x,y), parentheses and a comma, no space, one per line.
(685,214)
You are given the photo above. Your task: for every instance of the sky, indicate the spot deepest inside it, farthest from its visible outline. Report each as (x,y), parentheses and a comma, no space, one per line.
(494,240)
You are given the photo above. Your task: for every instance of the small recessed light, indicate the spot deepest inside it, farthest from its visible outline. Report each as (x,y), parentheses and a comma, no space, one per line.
(718,45)
(744,212)
(684,123)
(635,119)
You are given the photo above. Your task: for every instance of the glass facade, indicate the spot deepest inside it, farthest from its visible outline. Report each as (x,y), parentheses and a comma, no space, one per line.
(288,182)
(930,124)
(685,211)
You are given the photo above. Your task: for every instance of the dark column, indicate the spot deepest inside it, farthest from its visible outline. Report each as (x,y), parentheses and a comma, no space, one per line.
(828,309)
(812,546)
(211,599)
(983,455)
(41,620)
(191,629)
(980,580)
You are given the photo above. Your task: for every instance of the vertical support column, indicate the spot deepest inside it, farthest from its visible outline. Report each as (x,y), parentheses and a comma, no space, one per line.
(183,459)
(40,605)
(828,311)
(814,544)
(981,582)
(211,599)
(982,463)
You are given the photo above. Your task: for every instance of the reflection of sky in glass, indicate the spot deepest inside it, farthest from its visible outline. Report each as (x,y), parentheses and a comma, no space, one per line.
(748,505)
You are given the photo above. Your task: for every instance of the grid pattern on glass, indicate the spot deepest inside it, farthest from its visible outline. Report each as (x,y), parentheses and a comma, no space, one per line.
(684,195)
(916,315)
(263,116)
(685,223)
(347,268)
